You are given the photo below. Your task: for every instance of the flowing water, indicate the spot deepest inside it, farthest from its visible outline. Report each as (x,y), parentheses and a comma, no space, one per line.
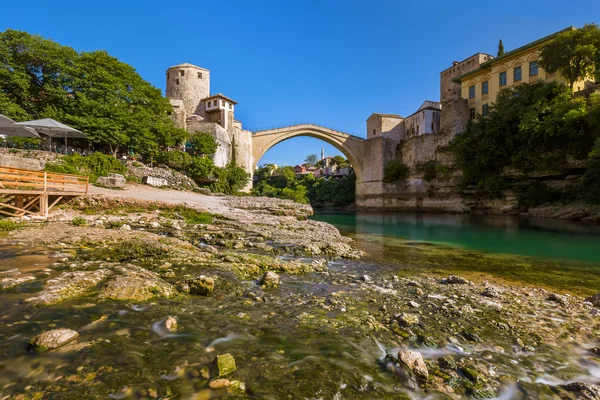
(318,335)
(557,254)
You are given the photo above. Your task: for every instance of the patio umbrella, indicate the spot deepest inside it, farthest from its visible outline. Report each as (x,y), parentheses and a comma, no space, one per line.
(8,127)
(52,128)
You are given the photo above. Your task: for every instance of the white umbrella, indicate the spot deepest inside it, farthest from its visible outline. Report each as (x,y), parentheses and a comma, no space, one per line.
(52,128)
(9,127)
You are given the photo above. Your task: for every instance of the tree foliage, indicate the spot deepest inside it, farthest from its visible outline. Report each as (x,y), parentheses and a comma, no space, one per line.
(91,91)
(530,127)
(395,171)
(311,159)
(573,53)
(500,48)
(272,181)
(203,143)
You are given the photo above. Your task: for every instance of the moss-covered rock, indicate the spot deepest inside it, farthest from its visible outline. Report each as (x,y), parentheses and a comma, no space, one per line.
(224,364)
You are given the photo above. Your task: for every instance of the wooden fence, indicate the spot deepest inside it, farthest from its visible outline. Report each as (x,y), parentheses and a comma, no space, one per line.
(36,192)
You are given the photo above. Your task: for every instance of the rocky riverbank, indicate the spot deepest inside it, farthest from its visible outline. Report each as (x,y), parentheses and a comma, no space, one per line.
(123,298)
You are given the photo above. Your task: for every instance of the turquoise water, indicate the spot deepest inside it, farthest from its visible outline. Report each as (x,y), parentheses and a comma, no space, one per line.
(541,238)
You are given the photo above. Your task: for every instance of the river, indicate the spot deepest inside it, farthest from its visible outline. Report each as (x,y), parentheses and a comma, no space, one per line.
(554,253)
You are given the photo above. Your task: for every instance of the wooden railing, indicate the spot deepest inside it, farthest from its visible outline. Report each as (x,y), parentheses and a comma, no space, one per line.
(35,192)
(16,179)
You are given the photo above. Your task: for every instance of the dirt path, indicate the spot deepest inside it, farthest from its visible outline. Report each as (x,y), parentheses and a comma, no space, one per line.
(212,204)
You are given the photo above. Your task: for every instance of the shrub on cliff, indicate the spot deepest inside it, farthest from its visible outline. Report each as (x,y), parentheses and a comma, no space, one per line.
(395,171)
(531,127)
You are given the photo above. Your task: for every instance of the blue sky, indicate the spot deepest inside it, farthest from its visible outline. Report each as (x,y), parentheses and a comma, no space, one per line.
(286,61)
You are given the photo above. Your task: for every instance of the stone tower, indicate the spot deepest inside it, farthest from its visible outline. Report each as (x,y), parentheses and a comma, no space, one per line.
(189,84)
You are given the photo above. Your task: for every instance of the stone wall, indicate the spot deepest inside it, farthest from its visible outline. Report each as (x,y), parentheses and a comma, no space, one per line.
(243,152)
(20,162)
(221,136)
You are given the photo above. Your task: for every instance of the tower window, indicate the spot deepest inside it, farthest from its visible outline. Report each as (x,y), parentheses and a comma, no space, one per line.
(181,72)
(177,81)
(199,75)
(374,132)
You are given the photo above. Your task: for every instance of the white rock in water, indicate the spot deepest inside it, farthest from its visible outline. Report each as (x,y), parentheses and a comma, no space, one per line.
(270,279)
(414,361)
(53,339)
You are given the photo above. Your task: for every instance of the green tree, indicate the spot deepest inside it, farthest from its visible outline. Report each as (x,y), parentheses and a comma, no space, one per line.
(530,127)
(92,91)
(203,143)
(574,53)
(500,48)
(311,159)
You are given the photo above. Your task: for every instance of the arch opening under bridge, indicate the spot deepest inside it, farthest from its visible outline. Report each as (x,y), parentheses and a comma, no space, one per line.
(351,146)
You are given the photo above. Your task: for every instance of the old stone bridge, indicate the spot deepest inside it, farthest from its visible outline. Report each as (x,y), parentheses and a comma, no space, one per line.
(351,146)
(367,157)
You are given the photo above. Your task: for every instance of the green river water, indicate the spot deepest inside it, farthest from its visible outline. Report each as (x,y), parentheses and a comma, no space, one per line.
(558,254)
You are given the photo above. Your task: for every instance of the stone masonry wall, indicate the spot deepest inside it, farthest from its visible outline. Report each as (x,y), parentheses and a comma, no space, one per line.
(223,153)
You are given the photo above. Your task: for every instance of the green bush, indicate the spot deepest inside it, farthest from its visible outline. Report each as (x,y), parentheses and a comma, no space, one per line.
(8,225)
(94,165)
(78,221)
(203,143)
(178,160)
(395,171)
(591,181)
(534,193)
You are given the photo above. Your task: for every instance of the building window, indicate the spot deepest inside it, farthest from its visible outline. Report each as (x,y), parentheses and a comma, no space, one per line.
(181,72)
(374,132)
(472,92)
(471,113)
(177,81)
(485,109)
(533,68)
(518,74)
(485,87)
(230,106)
(502,78)
(199,75)
(417,129)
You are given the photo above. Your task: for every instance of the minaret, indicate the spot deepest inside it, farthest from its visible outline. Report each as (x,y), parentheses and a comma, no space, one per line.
(322,153)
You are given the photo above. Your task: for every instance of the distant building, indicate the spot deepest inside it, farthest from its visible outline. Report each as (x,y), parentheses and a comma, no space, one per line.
(425,121)
(482,85)
(299,169)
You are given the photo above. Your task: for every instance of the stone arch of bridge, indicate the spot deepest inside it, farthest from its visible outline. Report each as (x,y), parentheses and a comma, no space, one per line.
(351,146)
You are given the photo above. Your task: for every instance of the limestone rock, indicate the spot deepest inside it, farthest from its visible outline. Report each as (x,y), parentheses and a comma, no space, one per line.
(594,300)
(414,361)
(491,291)
(136,288)
(270,279)
(154,181)
(125,227)
(218,383)
(53,339)
(584,391)
(406,319)
(171,324)
(113,181)
(225,364)
(69,285)
(201,285)
(455,280)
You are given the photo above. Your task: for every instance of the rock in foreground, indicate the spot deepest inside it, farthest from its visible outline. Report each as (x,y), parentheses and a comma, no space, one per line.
(53,339)
(414,361)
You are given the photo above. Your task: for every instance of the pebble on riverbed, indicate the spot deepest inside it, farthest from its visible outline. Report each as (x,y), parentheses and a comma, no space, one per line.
(270,279)
(52,339)
(414,361)
(225,364)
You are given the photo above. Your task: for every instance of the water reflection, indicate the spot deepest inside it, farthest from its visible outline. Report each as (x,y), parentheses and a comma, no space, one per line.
(554,239)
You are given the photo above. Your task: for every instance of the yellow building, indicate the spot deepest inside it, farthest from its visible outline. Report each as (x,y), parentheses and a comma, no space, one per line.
(481,86)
